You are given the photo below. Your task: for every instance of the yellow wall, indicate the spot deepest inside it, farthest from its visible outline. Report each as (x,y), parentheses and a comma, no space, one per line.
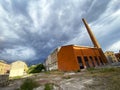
(18,68)
(4,67)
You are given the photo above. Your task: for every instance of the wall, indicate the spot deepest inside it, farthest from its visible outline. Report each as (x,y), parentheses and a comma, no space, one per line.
(51,62)
(66,59)
(18,68)
(4,68)
(118,56)
(4,80)
(111,56)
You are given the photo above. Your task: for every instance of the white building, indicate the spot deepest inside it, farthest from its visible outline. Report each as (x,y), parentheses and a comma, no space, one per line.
(18,68)
(51,62)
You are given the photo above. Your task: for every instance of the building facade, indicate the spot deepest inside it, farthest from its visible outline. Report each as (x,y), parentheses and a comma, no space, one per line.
(73,58)
(118,56)
(18,68)
(110,55)
(4,67)
(51,62)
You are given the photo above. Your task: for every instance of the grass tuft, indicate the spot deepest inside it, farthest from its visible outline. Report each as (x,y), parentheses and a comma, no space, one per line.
(29,84)
(48,86)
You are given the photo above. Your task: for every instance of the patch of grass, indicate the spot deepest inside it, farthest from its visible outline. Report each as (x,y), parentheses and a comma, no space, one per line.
(29,84)
(77,71)
(105,78)
(103,70)
(54,72)
(90,69)
(48,86)
(66,77)
(16,77)
(113,82)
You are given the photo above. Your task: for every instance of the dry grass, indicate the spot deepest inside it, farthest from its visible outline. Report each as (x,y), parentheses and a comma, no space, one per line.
(104,79)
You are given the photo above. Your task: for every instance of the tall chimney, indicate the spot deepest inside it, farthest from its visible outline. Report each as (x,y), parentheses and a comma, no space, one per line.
(94,40)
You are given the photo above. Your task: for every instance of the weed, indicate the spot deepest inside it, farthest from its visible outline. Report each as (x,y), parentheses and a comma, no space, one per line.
(28,84)
(66,77)
(16,77)
(48,86)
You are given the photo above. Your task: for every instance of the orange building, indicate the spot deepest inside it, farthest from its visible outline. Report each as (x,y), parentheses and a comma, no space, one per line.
(73,58)
(77,57)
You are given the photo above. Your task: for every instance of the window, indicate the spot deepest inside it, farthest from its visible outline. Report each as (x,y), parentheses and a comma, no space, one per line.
(92,60)
(80,62)
(101,60)
(96,60)
(86,61)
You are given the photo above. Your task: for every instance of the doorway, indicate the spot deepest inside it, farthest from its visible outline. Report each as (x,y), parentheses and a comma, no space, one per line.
(86,61)
(80,62)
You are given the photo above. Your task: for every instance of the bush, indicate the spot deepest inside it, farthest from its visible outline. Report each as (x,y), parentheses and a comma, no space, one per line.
(91,69)
(48,86)
(103,70)
(29,84)
(36,68)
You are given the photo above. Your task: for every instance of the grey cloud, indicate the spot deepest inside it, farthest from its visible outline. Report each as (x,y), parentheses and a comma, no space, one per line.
(96,9)
(61,26)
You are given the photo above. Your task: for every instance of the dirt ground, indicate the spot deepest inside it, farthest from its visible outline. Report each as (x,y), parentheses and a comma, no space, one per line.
(92,79)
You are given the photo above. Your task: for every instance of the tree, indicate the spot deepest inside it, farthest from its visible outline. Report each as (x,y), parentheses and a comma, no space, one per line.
(36,68)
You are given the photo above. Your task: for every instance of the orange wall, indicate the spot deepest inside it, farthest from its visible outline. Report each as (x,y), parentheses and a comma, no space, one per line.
(66,59)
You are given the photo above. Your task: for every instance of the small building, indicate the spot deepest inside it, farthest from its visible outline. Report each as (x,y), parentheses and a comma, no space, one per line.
(18,68)
(4,67)
(73,58)
(110,55)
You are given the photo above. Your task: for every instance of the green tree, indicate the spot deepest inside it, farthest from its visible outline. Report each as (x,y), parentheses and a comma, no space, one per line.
(36,68)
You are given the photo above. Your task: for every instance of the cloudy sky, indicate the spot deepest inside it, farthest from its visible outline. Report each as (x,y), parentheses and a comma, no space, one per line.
(31,29)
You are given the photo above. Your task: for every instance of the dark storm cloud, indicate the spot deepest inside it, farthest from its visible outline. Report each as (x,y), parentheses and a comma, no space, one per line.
(32,29)
(96,9)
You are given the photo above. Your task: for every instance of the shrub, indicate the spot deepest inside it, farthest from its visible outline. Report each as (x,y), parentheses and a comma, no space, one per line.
(48,86)
(36,68)
(66,77)
(91,69)
(28,84)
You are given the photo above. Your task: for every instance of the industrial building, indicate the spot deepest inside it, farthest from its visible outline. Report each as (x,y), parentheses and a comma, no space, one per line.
(73,58)
(18,68)
(110,55)
(4,67)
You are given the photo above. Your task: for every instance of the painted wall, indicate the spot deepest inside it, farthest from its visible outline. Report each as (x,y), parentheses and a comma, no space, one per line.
(4,68)
(68,57)
(18,68)
(67,60)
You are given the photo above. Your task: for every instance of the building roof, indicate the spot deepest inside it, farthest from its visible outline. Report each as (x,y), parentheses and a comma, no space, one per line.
(3,61)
